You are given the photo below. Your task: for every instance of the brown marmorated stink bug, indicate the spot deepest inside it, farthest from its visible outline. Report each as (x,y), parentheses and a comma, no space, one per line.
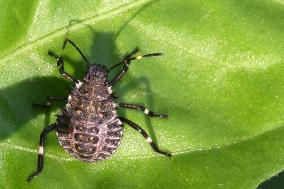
(88,127)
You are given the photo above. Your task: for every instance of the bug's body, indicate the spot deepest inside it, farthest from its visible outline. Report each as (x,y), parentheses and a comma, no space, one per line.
(89,128)
(94,130)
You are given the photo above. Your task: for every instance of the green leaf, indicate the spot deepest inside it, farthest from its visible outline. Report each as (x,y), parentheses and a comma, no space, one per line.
(221,83)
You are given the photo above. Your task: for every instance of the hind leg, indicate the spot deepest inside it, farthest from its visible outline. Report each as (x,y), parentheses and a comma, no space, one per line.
(42,139)
(145,135)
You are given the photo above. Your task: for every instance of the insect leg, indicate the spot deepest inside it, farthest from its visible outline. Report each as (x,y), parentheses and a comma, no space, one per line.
(76,47)
(41,151)
(141,108)
(60,65)
(125,58)
(48,101)
(126,63)
(145,135)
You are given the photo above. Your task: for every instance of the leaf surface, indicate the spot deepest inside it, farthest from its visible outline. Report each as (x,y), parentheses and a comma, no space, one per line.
(221,83)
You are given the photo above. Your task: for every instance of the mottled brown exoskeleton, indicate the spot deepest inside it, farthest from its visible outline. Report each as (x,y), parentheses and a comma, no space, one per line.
(88,127)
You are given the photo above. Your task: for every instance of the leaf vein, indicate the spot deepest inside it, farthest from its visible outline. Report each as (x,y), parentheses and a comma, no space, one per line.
(186,151)
(61,31)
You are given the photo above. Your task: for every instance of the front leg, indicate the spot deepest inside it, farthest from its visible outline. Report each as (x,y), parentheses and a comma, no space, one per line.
(60,65)
(126,63)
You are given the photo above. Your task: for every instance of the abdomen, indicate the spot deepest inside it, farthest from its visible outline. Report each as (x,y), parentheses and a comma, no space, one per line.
(90,141)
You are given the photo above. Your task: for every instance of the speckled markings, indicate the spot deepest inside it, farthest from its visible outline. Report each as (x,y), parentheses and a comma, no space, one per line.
(94,129)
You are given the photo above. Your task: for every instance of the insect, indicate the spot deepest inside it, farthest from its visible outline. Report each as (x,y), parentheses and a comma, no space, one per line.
(89,128)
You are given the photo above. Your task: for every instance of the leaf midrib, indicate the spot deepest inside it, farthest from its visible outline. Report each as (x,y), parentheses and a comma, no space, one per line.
(79,25)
